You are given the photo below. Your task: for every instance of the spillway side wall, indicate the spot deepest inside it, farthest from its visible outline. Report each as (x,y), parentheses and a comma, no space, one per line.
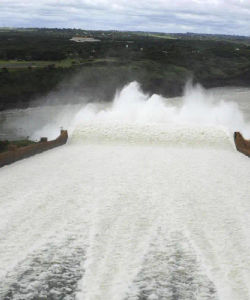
(242,145)
(14,155)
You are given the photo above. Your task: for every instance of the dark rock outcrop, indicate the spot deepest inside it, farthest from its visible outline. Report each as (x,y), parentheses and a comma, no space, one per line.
(242,145)
(14,154)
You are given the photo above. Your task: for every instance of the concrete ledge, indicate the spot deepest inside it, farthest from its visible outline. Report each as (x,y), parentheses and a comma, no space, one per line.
(16,154)
(242,145)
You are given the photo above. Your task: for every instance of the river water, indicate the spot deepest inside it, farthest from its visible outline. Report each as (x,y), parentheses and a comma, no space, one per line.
(148,200)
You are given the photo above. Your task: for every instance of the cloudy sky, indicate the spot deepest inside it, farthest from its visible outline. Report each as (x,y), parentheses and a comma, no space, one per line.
(207,16)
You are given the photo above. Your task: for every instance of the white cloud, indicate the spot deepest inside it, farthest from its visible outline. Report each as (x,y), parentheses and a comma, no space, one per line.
(214,16)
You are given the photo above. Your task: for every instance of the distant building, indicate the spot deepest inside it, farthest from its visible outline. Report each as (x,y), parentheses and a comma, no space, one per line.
(80,39)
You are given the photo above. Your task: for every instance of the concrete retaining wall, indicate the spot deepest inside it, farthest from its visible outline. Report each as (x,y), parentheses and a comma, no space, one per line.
(242,145)
(16,154)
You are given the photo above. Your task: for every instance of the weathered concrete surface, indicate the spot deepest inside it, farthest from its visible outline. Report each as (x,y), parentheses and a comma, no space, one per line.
(242,145)
(16,154)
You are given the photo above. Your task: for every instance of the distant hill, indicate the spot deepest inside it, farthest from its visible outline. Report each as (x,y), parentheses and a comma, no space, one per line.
(37,61)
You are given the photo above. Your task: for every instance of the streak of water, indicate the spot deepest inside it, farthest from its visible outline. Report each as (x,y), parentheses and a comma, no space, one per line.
(113,199)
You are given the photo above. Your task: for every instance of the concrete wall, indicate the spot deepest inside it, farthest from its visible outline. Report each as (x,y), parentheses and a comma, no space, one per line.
(16,154)
(242,145)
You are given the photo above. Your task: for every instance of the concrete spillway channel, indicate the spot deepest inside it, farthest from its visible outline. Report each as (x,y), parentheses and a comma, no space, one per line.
(16,154)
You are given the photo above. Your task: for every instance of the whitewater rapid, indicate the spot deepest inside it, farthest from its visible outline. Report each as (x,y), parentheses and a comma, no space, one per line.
(132,207)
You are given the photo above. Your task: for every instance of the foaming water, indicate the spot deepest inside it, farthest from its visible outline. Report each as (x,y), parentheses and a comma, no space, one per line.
(196,109)
(154,133)
(228,109)
(196,120)
(148,200)
(133,222)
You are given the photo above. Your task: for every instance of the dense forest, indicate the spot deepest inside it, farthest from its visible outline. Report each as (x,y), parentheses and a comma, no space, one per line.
(36,62)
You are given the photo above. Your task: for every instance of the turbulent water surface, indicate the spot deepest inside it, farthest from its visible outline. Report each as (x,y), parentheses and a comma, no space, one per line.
(148,200)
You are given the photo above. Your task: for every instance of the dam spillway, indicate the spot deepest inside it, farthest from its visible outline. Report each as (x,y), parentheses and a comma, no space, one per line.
(127,210)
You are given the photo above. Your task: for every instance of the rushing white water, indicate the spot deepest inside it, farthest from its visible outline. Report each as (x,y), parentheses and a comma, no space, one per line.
(228,108)
(148,200)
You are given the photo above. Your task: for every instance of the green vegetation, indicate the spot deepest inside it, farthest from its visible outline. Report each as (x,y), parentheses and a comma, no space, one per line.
(162,36)
(35,62)
(7,145)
